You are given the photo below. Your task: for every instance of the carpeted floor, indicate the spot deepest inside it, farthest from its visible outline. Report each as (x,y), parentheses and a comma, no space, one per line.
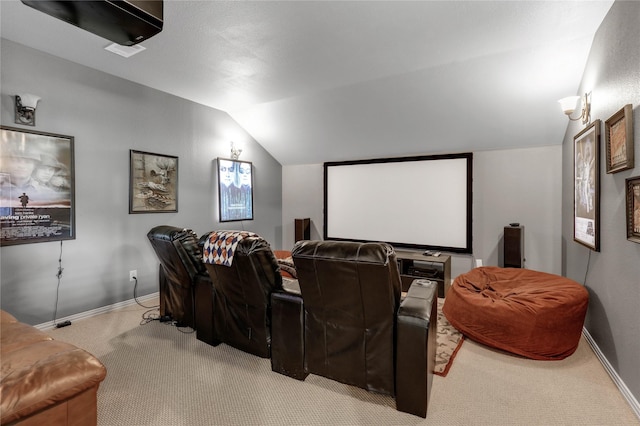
(160,375)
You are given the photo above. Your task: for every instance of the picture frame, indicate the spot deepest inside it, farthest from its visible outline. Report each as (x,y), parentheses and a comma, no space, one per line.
(586,178)
(37,187)
(235,190)
(619,140)
(153,182)
(633,209)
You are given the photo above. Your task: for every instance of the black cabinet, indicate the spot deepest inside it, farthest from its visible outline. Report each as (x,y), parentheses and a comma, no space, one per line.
(414,265)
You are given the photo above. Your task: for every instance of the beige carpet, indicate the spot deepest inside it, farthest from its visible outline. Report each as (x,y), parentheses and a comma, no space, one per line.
(158,375)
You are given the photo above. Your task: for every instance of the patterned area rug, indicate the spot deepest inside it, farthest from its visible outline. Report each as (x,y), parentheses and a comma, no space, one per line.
(449,341)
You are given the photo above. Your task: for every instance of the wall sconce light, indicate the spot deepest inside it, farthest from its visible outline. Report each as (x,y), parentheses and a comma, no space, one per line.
(26,109)
(570,103)
(235,153)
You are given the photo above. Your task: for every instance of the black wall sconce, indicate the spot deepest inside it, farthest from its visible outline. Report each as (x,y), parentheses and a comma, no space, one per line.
(26,109)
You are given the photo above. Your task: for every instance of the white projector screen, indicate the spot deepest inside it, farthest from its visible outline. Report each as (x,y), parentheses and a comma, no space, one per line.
(415,202)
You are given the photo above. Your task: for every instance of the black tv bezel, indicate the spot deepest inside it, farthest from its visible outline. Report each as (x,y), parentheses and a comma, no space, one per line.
(468,249)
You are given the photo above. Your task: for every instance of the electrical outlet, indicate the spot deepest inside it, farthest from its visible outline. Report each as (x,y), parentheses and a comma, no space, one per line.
(133,275)
(478,263)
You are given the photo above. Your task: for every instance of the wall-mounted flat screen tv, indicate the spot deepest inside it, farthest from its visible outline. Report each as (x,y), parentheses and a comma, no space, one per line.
(421,202)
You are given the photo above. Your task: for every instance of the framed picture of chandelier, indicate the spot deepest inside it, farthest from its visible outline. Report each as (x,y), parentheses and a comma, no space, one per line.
(37,196)
(586,178)
(618,134)
(153,183)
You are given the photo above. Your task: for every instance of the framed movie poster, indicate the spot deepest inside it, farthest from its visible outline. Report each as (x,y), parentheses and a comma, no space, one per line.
(633,209)
(586,178)
(235,190)
(618,132)
(36,187)
(153,183)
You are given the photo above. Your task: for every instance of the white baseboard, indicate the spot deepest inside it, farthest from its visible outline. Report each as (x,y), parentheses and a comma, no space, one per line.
(87,314)
(624,390)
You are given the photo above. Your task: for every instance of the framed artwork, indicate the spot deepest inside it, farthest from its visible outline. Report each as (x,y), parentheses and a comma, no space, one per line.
(37,193)
(235,190)
(153,183)
(633,209)
(586,181)
(619,140)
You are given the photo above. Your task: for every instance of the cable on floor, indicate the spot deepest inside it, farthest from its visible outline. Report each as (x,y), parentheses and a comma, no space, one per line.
(150,315)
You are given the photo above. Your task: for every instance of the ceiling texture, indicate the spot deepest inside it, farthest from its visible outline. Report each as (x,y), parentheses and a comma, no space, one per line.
(316,81)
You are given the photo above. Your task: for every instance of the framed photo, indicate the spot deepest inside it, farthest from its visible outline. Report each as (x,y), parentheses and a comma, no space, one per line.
(586,178)
(235,190)
(633,209)
(619,140)
(37,201)
(153,183)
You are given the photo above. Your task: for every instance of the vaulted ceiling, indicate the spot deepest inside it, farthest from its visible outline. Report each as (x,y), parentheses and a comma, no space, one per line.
(316,81)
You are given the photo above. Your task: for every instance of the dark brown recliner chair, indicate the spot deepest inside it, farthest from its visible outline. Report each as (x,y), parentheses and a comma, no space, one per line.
(356,328)
(180,268)
(240,292)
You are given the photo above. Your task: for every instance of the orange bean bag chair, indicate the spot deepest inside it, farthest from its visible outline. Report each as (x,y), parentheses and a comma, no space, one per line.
(529,313)
(285,261)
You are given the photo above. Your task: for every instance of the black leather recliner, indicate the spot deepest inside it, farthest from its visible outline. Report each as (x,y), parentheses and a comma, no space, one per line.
(351,325)
(181,268)
(236,306)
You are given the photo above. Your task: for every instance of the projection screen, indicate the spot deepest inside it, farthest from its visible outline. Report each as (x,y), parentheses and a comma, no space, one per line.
(415,202)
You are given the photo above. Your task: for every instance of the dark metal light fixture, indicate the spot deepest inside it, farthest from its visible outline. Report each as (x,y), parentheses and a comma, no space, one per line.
(26,109)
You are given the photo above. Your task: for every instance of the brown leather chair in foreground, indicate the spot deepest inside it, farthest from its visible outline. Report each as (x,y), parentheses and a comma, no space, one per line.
(356,329)
(244,272)
(45,381)
(180,268)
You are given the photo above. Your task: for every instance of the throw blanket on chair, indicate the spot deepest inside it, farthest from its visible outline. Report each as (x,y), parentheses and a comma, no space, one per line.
(220,246)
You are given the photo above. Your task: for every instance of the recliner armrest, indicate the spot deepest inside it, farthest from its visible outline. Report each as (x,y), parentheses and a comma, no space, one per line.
(416,347)
(287,334)
(418,302)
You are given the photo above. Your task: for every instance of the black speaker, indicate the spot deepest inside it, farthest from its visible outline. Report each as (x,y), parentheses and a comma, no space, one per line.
(513,246)
(303,229)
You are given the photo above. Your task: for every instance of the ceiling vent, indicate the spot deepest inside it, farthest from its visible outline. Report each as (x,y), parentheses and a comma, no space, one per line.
(123,22)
